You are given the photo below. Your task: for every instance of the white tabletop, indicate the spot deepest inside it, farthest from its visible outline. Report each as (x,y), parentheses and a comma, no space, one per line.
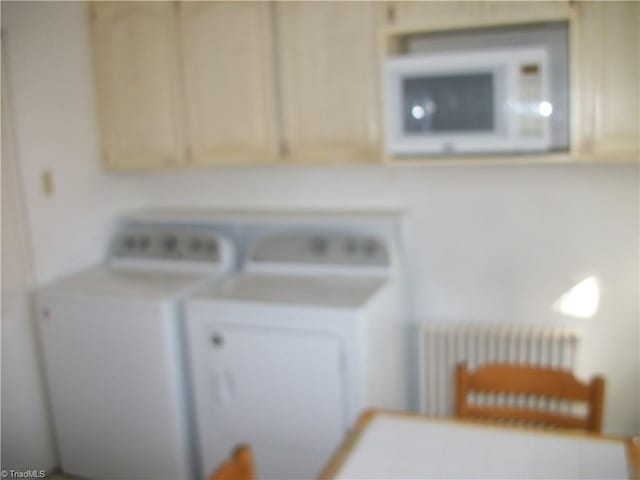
(400,446)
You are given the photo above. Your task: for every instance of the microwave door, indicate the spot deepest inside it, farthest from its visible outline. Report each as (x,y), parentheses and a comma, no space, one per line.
(449,104)
(462,103)
(453,112)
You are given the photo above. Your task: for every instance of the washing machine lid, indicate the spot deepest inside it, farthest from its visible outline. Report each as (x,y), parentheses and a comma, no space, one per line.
(327,291)
(109,282)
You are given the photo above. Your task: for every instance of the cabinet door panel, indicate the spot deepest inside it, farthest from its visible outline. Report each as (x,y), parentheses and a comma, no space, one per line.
(228,58)
(608,77)
(329,79)
(138,83)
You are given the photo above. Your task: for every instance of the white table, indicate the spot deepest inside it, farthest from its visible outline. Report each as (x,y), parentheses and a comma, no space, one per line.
(393,445)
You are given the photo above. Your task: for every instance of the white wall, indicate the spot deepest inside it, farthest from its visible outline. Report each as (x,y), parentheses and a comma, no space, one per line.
(27,441)
(46,63)
(493,243)
(50,69)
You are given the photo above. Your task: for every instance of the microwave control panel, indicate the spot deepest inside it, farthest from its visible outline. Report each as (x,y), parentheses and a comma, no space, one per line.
(531,97)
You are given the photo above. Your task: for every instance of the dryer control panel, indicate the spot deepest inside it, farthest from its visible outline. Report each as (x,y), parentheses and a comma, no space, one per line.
(327,250)
(166,247)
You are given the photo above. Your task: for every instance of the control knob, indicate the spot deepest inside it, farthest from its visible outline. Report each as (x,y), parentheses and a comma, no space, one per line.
(170,242)
(319,245)
(129,242)
(370,249)
(143,242)
(196,244)
(212,248)
(351,246)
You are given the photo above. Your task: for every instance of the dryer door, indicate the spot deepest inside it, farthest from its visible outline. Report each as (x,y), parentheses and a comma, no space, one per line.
(280,390)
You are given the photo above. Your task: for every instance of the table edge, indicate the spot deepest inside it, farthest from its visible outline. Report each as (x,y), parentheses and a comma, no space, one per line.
(346,447)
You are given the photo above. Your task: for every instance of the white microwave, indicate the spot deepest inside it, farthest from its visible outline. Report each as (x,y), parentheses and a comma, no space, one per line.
(465,103)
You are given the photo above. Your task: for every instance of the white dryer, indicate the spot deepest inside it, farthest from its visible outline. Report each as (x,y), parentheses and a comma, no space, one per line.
(113,343)
(286,354)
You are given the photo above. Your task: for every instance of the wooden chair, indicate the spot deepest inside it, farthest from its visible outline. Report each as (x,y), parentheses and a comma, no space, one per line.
(529,380)
(238,467)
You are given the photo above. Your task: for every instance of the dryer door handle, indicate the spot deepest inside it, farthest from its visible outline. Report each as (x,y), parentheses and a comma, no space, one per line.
(217,340)
(223,386)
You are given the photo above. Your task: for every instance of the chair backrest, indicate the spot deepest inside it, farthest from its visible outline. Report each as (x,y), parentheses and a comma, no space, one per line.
(539,382)
(238,467)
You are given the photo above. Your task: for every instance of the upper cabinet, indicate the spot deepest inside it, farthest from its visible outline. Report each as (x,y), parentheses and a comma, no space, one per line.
(139,88)
(181,83)
(328,68)
(608,78)
(228,72)
(184,83)
(236,82)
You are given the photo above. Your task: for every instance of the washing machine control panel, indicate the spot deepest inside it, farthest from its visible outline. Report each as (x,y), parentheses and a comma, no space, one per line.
(169,246)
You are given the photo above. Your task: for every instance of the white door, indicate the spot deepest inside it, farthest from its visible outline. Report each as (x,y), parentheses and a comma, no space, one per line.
(281,391)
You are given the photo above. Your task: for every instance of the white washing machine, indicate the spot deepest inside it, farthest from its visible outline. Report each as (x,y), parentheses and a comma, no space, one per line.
(286,354)
(113,342)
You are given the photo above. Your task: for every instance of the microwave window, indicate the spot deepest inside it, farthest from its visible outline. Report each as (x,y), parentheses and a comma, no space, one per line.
(450,103)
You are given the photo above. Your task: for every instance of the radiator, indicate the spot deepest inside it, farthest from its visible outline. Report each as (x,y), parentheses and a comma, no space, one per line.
(443,346)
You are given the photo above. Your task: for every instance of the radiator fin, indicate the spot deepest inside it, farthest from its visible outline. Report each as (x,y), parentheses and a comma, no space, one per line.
(443,346)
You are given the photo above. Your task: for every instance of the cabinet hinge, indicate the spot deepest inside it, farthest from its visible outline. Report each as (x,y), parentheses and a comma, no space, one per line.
(284,149)
(92,13)
(391,13)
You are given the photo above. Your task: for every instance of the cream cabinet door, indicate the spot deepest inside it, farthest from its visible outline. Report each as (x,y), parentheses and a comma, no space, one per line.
(138,83)
(470,13)
(228,64)
(608,78)
(329,80)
